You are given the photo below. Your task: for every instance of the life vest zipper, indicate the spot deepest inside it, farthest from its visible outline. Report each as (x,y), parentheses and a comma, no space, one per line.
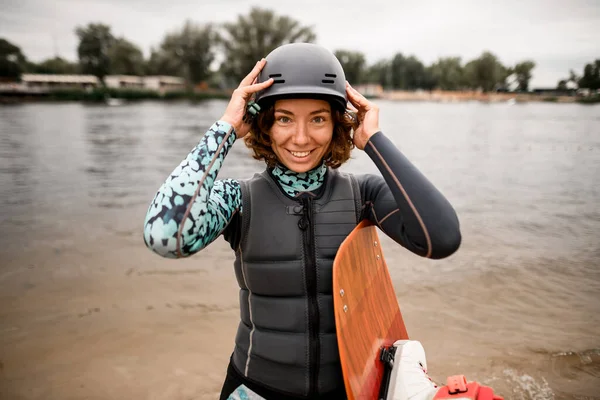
(307,226)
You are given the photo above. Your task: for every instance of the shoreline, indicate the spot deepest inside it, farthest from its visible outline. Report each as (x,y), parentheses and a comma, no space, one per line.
(132,95)
(442,96)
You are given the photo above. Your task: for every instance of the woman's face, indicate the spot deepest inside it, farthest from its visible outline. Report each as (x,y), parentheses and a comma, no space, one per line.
(301,133)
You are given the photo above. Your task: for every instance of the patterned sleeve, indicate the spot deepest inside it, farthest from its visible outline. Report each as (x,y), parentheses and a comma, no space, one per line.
(191,209)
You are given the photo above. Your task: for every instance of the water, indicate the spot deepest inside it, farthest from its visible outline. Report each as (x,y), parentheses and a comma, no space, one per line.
(517,307)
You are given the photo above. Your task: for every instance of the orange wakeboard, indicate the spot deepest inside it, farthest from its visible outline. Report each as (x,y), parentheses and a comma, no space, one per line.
(367,314)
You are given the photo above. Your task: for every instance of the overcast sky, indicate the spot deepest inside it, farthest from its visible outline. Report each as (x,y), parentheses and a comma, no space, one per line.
(557,35)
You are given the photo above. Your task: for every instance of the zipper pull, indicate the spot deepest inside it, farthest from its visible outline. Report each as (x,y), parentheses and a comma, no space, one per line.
(294,210)
(304,220)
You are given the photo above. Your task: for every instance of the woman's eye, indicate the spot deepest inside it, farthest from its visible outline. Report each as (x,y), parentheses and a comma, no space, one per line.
(319,120)
(283,119)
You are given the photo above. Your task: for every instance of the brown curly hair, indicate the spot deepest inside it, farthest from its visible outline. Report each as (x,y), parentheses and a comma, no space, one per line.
(259,139)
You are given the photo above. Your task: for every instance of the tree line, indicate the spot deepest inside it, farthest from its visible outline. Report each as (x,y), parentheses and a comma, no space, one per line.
(192,51)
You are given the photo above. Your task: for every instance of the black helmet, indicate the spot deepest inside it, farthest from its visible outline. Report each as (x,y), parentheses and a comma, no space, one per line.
(303,70)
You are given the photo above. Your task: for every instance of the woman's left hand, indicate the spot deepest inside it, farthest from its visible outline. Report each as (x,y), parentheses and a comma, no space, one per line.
(367,115)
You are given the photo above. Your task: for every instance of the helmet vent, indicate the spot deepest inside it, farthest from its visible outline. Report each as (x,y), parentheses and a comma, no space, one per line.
(277,76)
(329,80)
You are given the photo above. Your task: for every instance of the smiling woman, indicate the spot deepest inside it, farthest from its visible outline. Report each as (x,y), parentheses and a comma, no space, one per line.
(287,223)
(300,133)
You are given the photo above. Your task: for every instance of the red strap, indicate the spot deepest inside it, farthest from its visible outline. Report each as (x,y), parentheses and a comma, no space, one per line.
(457,387)
(456,384)
(487,393)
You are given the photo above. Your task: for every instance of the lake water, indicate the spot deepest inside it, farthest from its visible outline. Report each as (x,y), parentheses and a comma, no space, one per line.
(86,311)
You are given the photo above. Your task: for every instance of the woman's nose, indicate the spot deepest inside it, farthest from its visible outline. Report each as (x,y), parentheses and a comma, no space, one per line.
(301,135)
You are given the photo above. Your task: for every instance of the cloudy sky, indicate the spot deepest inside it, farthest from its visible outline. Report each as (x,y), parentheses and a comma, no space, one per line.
(558,35)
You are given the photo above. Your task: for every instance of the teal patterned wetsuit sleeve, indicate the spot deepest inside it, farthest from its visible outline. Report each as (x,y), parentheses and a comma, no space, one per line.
(191,208)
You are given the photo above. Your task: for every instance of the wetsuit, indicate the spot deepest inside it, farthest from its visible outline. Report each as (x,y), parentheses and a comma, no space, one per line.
(400,201)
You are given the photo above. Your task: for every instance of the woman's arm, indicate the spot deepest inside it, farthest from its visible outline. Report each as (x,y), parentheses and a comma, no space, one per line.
(405,205)
(402,202)
(192,208)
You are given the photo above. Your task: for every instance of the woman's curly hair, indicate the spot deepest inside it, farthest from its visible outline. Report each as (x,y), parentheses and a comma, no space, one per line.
(259,139)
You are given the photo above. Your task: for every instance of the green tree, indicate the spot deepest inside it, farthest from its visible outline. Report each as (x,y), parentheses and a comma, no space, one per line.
(95,41)
(573,77)
(160,64)
(417,76)
(562,85)
(125,58)
(448,73)
(187,53)
(523,74)
(398,71)
(381,73)
(353,63)
(408,73)
(253,36)
(55,65)
(486,73)
(591,76)
(429,81)
(12,60)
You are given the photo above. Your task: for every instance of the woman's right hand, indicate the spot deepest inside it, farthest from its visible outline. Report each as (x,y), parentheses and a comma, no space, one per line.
(234,114)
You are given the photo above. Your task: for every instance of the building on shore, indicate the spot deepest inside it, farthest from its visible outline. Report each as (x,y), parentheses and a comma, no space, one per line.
(163,84)
(50,81)
(124,82)
(46,82)
(159,83)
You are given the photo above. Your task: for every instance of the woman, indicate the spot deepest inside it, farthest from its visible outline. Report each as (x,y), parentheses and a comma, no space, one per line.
(286,224)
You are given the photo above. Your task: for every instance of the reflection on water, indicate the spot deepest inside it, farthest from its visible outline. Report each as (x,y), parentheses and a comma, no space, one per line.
(114,154)
(132,149)
(524,179)
(16,178)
